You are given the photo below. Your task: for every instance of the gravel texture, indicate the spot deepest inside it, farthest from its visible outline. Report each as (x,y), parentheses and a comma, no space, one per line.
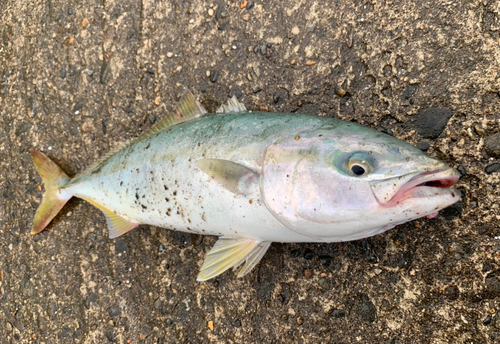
(79,77)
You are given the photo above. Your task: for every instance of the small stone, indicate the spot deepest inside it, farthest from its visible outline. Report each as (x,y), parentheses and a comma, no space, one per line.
(377,271)
(478,128)
(338,313)
(121,246)
(308,253)
(366,310)
(70,40)
(114,311)
(251,4)
(236,91)
(431,122)
(307,273)
(170,54)
(492,145)
(169,322)
(300,321)
(215,77)
(410,91)
(249,77)
(340,92)
(452,292)
(284,317)
(207,73)
(310,63)
(103,77)
(256,70)
(245,17)
(210,12)
(492,168)
(211,325)
(157,100)
(293,62)
(462,170)
(84,23)
(93,297)
(223,25)
(236,323)
(78,107)
(323,283)
(325,261)
(110,335)
(423,146)
(487,320)
(244,4)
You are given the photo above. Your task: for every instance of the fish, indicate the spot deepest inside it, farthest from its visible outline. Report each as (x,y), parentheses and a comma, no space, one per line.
(253,178)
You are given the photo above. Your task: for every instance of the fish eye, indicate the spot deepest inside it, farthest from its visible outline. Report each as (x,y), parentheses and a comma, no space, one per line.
(358,165)
(358,170)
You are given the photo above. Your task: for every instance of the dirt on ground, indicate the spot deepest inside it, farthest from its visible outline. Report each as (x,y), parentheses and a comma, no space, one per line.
(79,77)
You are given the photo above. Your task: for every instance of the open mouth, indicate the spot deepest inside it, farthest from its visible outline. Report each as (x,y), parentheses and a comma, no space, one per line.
(429,184)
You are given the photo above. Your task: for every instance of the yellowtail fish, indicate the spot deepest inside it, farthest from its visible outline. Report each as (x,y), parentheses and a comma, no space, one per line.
(253,178)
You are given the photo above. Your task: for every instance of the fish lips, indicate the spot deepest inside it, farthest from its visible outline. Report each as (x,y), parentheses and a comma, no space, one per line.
(429,184)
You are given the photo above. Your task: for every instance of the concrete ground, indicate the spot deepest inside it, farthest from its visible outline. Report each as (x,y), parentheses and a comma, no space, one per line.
(79,77)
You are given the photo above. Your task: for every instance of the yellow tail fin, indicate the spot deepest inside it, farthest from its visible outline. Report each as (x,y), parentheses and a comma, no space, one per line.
(53,179)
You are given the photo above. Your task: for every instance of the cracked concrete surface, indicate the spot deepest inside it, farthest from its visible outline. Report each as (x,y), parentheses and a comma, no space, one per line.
(79,77)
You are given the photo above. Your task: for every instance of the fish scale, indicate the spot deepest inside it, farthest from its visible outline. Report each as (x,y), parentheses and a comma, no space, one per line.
(253,179)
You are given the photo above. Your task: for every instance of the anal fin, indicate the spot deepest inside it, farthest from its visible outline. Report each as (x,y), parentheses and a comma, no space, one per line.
(117,224)
(232,252)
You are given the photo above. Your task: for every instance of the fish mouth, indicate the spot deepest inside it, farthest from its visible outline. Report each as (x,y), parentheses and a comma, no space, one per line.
(430,185)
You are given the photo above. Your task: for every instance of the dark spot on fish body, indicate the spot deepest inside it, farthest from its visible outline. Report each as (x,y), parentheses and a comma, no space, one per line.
(149,145)
(121,183)
(136,196)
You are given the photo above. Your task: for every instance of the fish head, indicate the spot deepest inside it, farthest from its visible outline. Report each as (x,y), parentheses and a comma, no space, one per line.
(345,182)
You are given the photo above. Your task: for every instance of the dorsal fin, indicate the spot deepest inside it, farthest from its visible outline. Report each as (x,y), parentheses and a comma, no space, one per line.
(187,109)
(233,105)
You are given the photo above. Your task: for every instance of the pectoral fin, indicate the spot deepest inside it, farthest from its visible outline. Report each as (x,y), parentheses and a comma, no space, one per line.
(234,177)
(232,252)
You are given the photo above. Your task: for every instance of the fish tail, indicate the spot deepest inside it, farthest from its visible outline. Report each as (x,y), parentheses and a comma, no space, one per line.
(53,199)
